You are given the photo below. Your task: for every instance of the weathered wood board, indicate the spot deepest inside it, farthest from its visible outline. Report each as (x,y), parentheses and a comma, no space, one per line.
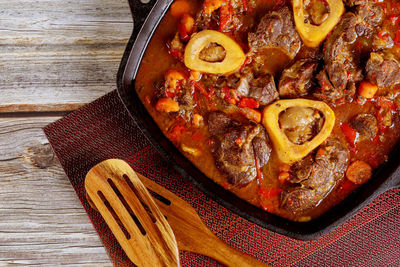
(41,220)
(57,55)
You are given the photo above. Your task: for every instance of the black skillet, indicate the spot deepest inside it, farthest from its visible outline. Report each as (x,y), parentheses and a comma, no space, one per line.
(146,19)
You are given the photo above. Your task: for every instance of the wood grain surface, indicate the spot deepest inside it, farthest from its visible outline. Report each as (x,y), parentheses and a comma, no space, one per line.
(55,56)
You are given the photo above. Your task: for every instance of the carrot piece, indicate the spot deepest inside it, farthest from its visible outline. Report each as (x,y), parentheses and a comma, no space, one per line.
(367,89)
(359,172)
(179,7)
(185,27)
(167,105)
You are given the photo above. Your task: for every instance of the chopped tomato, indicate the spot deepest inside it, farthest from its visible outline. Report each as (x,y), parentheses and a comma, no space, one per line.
(245,5)
(228,96)
(175,53)
(176,133)
(383,102)
(248,102)
(349,133)
(269,192)
(225,16)
(198,137)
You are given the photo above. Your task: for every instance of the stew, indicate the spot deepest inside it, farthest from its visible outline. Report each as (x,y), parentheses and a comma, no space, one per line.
(290,105)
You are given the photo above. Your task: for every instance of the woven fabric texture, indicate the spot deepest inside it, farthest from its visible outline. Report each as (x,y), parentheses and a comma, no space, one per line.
(104,129)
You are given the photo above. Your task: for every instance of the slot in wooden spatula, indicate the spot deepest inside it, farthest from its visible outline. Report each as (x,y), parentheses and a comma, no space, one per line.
(190,232)
(130,212)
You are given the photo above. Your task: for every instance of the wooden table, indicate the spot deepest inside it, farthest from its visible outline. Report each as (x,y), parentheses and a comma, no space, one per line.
(55,56)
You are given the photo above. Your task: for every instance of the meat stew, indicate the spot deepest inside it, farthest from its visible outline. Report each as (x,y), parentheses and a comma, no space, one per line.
(218,120)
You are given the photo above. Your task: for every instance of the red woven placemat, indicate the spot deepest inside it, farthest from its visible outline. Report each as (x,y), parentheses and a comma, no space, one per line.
(103,130)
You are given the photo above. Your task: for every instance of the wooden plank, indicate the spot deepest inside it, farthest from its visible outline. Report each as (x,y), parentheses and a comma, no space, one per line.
(42,221)
(59,54)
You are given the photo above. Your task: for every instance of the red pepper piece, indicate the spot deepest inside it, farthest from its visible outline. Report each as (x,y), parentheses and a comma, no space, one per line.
(198,137)
(175,53)
(248,102)
(225,16)
(349,133)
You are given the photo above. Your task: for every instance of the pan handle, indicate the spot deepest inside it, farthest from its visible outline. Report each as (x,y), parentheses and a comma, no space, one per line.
(146,17)
(139,10)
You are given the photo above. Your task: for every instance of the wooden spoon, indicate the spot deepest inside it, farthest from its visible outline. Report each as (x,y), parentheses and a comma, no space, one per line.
(132,215)
(190,232)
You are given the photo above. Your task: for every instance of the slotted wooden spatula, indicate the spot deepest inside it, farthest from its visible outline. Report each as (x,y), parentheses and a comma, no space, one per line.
(132,215)
(190,232)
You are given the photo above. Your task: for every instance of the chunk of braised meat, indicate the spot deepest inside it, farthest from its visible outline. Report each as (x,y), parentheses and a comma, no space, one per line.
(342,67)
(383,69)
(366,125)
(296,81)
(327,92)
(379,43)
(262,88)
(371,16)
(276,30)
(315,175)
(236,147)
(298,199)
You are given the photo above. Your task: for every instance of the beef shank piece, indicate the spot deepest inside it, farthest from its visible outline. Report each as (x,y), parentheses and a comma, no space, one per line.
(383,69)
(276,30)
(366,125)
(236,147)
(315,175)
(296,81)
(342,67)
(262,88)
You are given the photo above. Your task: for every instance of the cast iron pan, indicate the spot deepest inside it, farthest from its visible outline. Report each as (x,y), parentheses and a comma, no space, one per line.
(146,19)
